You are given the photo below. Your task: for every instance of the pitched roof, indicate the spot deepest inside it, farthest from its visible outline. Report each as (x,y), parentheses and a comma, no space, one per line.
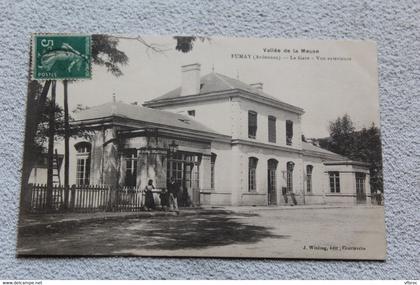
(310,147)
(138,113)
(216,82)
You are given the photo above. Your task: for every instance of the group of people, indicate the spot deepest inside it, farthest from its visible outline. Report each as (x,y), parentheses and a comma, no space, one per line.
(168,197)
(379,197)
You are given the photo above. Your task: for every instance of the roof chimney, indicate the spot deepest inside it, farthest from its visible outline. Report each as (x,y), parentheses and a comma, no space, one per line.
(113,106)
(258,85)
(190,79)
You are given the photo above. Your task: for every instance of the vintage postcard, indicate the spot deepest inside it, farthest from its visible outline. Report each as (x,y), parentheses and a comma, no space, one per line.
(202,147)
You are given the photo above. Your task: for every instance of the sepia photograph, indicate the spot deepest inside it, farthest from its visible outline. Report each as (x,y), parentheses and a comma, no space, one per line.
(190,146)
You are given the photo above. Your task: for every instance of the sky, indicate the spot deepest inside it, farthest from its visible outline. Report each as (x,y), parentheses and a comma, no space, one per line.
(325,89)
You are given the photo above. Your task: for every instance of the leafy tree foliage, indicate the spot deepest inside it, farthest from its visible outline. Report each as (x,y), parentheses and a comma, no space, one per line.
(363,145)
(105,52)
(41,135)
(186,44)
(368,148)
(341,132)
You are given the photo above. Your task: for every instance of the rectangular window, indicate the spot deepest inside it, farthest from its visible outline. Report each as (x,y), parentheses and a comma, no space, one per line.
(130,160)
(334,181)
(360,183)
(191,113)
(175,167)
(309,178)
(83,163)
(289,132)
(309,183)
(252,174)
(252,124)
(289,176)
(271,129)
(192,171)
(83,171)
(195,177)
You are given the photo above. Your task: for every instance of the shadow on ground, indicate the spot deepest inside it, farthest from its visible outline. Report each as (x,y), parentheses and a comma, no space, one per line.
(158,233)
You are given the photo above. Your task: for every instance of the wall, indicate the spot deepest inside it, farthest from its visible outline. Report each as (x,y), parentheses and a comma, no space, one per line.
(347,193)
(263,112)
(205,113)
(72,162)
(393,25)
(38,175)
(259,197)
(224,178)
(319,181)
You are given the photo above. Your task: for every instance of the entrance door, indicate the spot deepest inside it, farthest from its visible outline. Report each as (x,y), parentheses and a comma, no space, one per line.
(271,178)
(194,184)
(192,178)
(184,168)
(360,188)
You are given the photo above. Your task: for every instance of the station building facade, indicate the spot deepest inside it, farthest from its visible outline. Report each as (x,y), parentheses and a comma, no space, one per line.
(224,141)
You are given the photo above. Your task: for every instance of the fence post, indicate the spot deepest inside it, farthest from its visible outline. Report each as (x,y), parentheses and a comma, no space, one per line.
(73,196)
(66,197)
(109,199)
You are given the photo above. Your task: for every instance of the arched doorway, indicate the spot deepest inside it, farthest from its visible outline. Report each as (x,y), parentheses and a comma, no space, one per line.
(272,181)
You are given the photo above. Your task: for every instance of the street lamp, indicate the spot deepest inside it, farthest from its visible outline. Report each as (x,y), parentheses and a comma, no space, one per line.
(290,166)
(173,147)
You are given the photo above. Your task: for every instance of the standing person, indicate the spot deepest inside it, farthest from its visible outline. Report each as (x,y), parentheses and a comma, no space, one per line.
(378,197)
(149,200)
(173,189)
(164,199)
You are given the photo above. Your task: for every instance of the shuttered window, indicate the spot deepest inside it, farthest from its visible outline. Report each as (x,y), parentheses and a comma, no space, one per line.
(289,177)
(271,129)
(252,124)
(289,132)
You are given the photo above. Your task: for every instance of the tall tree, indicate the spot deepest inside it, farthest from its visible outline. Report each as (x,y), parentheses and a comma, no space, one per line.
(51,131)
(36,137)
(341,132)
(104,53)
(35,110)
(66,143)
(363,145)
(368,148)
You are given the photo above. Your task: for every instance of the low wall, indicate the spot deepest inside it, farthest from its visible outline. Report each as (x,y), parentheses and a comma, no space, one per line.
(314,199)
(347,199)
(215,198)
(285,200)
(251,199)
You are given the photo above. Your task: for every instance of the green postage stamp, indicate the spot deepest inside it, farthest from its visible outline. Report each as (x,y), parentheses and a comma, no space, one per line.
(61,56)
